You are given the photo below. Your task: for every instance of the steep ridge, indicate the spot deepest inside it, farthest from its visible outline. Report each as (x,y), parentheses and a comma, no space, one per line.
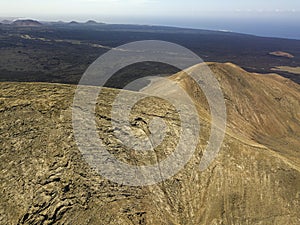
(264,109)
(255,179)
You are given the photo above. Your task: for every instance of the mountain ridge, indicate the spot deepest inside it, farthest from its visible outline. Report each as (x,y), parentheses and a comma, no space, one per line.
(253,180)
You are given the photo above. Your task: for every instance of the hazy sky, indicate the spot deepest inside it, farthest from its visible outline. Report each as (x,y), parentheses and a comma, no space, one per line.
(114,9)
(278,18)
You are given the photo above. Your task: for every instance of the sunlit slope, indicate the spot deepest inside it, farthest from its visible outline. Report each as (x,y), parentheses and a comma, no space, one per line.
(255,178)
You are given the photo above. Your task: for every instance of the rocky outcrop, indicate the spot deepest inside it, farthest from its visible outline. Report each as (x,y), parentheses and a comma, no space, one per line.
(255,179)
(282,54)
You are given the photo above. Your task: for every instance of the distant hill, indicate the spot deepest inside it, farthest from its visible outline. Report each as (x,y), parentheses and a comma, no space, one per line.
(73,23)
(32,23)
(91,22)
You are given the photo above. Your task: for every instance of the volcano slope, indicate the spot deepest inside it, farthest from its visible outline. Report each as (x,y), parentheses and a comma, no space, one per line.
(255,178)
